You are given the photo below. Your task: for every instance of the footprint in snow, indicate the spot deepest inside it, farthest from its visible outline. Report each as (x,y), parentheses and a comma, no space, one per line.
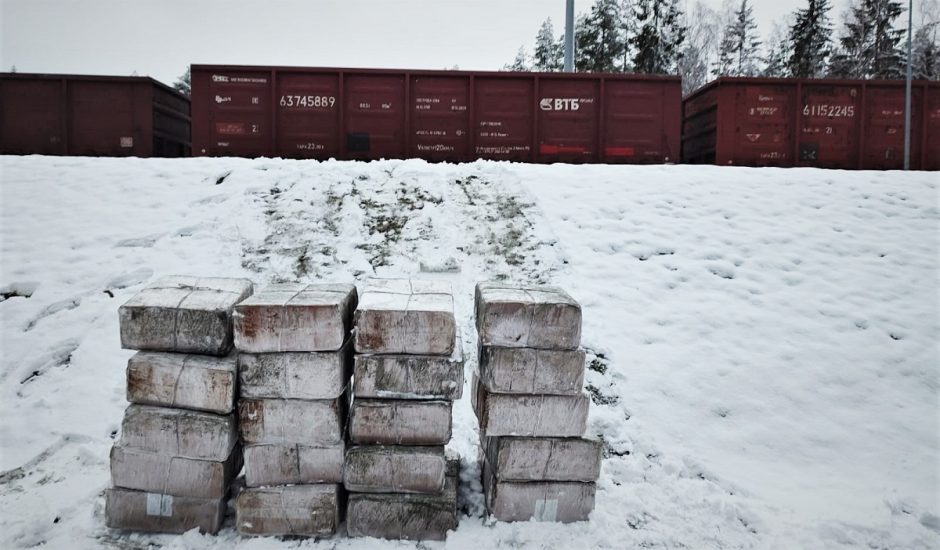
(58,355)
(137,242)
(187,231)
(723,271)
(23,289)
(212,199)
(52,309)
(131,278)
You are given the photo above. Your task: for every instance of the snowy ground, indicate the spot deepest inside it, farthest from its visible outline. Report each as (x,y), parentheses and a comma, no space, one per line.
(763,343)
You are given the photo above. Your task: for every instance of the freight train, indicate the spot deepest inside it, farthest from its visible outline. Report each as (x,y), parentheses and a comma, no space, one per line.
(459,116)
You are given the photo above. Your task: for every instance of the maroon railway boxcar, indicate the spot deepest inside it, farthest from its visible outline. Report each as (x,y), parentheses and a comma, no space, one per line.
(850,124)
(452,116)
(118,116)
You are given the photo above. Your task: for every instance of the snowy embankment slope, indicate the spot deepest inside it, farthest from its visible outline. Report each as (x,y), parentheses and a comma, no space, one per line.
(763,343)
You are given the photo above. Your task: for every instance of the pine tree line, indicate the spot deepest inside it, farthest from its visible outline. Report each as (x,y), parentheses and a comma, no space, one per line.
(658,37)
(637,36)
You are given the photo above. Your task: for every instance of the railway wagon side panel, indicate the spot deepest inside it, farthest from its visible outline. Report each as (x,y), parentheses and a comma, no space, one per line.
(110,119)
(884,127)
(568,120)
(232,113)
(829,125)
(641,121)
(503,118)
(931,137)
(308,114)
(761,129)
(440,118)
(374,116)
(32,117)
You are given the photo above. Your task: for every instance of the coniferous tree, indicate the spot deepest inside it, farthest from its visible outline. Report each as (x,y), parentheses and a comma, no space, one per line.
(659,40)
(599,37)
(811,40)
(628,29)
(560,46)
(183,84)
(870,43)
(547,55)
(886,50)
(738,52)
(926,52)
(779,50)
(520,63)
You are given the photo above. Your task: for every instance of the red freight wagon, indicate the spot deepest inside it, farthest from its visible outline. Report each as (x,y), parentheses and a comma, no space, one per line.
(804,122)
(119,116)
(451,116)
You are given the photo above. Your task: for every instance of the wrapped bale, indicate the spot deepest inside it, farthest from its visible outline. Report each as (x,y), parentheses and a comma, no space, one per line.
(395,469)
(171,475)
(295,317)
(179,433)
(295,375)
(186,381)
(183,314)
(564,501)
(301,510)
(289,421)
(409,376)
(526,316)
(529,415)
(153,512)
(400,422)
(543,458)
(406,316)
(532,371)
(293,464)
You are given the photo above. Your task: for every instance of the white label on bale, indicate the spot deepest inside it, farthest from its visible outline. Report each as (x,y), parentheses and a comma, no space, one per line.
(154,504)
(546,510)
(127,142)
(159,505)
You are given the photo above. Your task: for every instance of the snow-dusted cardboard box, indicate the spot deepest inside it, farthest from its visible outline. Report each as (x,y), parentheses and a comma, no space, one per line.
(409,376)
(171,475)
(286,464)
(288,421)
(563,501)
(180,380)
(183,314)
(295,374)
(528,370)
(529,415)
(158,513)
(543,458)
(295,317)
(405,516)
(304,510)
(179,432)
(395,469)
(526,316)
(406,316)
(400,422)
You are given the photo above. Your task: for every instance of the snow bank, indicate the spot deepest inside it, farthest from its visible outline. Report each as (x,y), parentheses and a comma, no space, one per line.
(762,343)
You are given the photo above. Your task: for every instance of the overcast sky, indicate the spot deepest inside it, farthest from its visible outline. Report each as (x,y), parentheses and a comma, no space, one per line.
(161,38)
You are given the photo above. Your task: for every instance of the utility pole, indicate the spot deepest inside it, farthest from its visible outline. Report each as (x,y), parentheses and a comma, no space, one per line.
(569,37)
(907,91)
